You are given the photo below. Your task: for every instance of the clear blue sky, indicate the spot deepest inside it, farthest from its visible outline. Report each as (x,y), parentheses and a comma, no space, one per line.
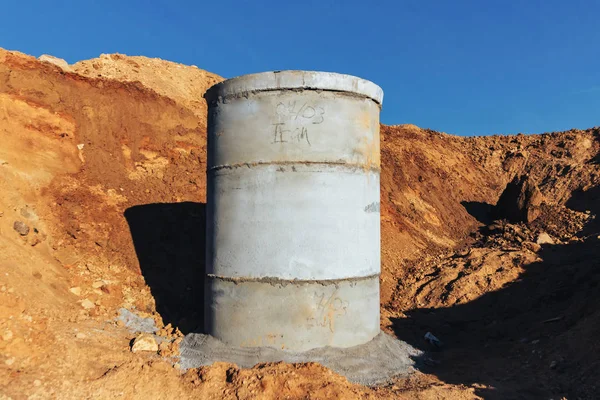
(458,66)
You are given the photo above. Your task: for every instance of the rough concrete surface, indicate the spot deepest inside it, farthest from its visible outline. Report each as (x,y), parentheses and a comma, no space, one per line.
(372,363)
(296,80)
(303,222)
(296,315)
(293,170)
(135,323)
(311,126)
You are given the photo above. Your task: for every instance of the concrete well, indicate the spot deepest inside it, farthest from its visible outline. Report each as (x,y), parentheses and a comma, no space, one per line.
(293,237)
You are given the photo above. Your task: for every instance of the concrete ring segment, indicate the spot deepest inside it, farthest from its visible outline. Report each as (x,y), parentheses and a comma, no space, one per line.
(285,127)
(295,80)
(294,315)
(296,222)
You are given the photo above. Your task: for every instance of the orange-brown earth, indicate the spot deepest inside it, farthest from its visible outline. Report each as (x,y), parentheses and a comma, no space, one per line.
(103,161)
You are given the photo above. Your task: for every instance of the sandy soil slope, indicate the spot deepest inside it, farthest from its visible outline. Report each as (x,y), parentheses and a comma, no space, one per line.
(102,168)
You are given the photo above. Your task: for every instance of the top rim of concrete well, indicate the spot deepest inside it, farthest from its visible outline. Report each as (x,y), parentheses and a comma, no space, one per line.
(292,79)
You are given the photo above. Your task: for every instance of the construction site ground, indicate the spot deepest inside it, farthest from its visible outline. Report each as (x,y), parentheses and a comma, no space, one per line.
(491,244)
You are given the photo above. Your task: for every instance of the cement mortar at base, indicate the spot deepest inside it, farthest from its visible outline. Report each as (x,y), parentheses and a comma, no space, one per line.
(307,314)
(371,363)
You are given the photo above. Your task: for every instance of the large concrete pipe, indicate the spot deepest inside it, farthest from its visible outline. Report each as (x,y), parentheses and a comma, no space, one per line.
(293,237)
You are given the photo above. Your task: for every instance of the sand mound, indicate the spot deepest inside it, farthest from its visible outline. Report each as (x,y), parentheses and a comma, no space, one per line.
(182,83)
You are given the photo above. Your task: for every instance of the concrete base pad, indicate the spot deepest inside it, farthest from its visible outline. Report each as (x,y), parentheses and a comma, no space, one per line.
(371,363)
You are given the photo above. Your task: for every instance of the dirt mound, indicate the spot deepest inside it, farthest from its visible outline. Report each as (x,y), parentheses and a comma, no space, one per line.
(105,166)
(77,153)
(426,178)
(184,84)
(508,304)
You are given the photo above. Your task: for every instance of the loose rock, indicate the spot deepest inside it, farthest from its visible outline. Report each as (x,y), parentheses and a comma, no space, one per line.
(21,227)
(431,339)
(98,284)
(532,246)
(144,342)
(520,201)
(544,238)
(87,304)
(59,62)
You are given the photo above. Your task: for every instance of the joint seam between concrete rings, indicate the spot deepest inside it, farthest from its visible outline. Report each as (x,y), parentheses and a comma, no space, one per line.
(354,166)
(285,282)
(214,102)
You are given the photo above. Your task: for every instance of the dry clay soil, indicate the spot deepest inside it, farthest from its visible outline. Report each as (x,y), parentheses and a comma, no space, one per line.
(102,167)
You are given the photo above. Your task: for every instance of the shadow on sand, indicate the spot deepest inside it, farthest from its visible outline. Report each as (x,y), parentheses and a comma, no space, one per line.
(506,340)
(482,212)
(538,337)
(169,240)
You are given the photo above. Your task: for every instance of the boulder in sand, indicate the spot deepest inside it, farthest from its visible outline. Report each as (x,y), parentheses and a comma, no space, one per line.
(520,201)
